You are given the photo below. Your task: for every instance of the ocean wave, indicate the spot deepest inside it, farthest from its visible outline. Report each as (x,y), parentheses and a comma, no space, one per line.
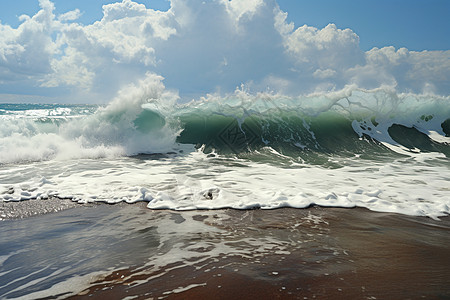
(146,118)
(375,149)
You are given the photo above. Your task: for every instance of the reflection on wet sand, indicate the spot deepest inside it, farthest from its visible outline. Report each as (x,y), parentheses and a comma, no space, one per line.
(124,250)
(291,254)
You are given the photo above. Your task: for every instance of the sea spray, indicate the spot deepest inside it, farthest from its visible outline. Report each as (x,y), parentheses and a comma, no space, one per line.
(137,121)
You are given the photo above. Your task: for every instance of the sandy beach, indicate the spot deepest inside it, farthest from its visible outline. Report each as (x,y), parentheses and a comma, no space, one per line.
(315,253)
(226,149)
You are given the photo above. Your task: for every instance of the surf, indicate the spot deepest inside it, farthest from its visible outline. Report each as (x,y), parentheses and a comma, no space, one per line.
(146,118)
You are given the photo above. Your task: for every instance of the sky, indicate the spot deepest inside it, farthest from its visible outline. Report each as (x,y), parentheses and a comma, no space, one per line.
(86,51)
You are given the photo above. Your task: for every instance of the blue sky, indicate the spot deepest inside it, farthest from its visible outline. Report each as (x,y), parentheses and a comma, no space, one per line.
(414,24)
(200,47)
(91,9)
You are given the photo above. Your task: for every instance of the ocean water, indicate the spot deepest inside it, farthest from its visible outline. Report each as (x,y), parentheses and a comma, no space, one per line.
(379,150)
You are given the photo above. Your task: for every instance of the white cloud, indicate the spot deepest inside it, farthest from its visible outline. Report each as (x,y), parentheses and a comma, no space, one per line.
(71,69)
(239,9)
(200,47)
(322,74)
(333,57)
(125,9)
(406,70)
(329,47)
(70,15)
(25,52)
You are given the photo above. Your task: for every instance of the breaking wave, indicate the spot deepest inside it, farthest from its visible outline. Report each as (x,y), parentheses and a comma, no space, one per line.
(145,118)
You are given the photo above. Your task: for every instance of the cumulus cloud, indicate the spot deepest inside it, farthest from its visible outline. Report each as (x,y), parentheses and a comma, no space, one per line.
(406,70)
(327,47)
(70,15)
(201,47)
(322,74)
(238,9)
(25,52)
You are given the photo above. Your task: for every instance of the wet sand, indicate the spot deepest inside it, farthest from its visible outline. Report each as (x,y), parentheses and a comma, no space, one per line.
(352,254)
(315,253)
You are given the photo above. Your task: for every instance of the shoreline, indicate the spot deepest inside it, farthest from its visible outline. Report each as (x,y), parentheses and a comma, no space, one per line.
(314,253)
(380,256)
(13,210)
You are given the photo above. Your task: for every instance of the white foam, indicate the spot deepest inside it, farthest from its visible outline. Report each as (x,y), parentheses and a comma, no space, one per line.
(110,132)
(422,112)
(195,181)
(438,137)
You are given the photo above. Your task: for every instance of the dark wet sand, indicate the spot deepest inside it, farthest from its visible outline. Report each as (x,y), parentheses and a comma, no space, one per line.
(341,254)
